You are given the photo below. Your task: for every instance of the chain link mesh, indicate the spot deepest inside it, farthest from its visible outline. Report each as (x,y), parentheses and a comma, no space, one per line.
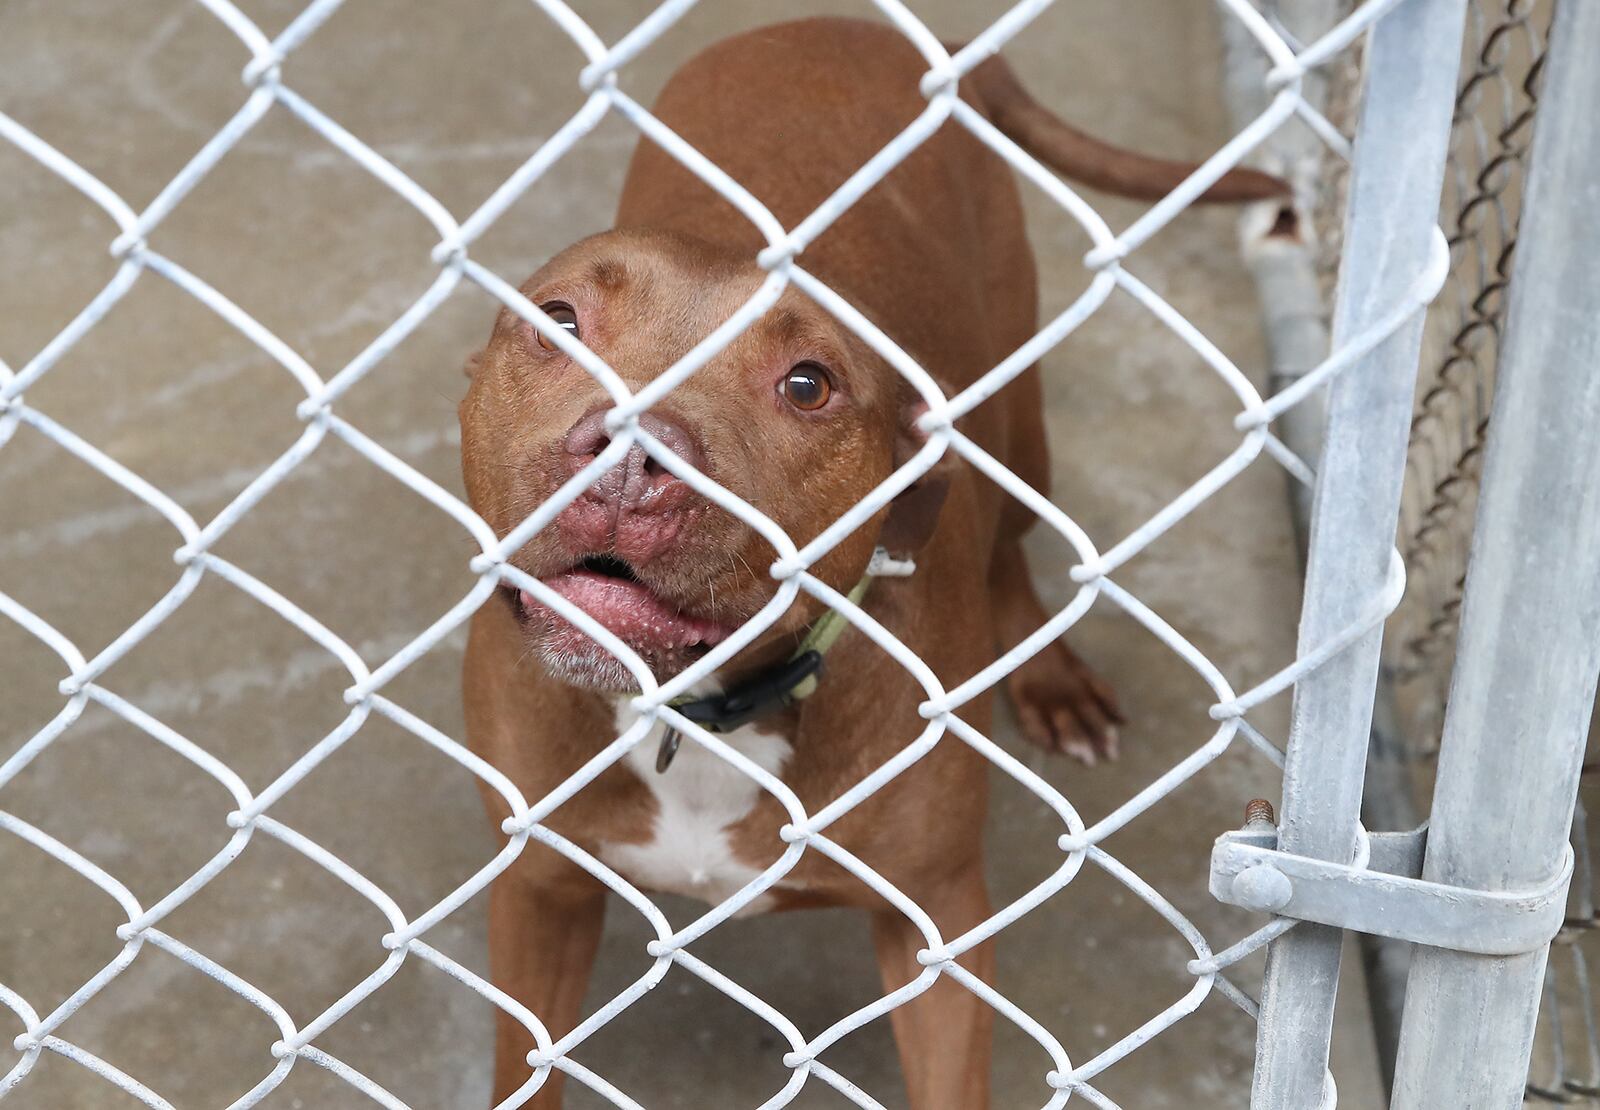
(1482,197)
(136,248)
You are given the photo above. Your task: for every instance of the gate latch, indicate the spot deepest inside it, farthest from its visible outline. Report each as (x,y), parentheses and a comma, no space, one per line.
(1382,894)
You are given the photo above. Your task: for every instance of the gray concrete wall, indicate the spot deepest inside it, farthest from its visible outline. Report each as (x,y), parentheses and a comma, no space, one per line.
(457,95)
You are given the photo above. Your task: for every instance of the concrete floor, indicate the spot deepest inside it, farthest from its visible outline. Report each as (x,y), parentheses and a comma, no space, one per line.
(457,95)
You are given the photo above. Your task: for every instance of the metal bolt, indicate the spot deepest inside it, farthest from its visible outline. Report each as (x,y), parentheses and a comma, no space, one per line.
(1262,888)
(1259,811)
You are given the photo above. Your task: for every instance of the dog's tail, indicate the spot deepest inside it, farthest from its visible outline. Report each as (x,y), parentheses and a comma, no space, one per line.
(1091,161)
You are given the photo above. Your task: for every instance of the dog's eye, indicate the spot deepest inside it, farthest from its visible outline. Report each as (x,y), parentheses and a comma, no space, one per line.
(563,314)
(807,387)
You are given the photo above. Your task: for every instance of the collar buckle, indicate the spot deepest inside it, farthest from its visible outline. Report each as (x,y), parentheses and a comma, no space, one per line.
(783,685)
(769,690)
(777,688)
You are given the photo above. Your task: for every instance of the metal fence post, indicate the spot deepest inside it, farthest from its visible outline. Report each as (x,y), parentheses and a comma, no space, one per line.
(1524,683)
(1413,58)
(1288,284)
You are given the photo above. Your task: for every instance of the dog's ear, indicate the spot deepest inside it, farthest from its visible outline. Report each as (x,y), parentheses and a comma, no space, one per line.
(914,514)
(474,361)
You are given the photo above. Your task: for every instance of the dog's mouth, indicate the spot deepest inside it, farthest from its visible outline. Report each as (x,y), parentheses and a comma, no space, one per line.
(611,591)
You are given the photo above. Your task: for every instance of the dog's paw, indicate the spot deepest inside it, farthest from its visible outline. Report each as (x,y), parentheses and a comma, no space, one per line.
(1063,706)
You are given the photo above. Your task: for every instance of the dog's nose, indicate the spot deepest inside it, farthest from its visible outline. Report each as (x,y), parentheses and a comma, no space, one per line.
(638,482)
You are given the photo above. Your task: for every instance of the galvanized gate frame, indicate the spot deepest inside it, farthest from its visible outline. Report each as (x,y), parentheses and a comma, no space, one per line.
(1483,890)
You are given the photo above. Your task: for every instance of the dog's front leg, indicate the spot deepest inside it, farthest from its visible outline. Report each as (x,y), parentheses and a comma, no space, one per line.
(944,1033)
(542,941)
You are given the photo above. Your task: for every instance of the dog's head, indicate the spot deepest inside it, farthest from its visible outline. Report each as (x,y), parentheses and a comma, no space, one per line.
(797,417)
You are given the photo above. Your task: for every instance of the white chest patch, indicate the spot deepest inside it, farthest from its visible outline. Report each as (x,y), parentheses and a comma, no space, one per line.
(699,797)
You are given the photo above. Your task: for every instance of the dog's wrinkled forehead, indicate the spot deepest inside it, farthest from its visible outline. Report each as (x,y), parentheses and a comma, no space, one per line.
(644,299)
(643,291)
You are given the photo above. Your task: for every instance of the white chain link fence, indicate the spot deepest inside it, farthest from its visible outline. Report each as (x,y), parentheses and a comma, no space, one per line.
(1113,264)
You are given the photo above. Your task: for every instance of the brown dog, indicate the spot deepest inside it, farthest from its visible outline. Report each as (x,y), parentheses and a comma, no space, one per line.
(801,419)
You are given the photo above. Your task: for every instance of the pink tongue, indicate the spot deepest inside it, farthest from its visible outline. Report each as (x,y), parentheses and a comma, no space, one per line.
(631,611)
